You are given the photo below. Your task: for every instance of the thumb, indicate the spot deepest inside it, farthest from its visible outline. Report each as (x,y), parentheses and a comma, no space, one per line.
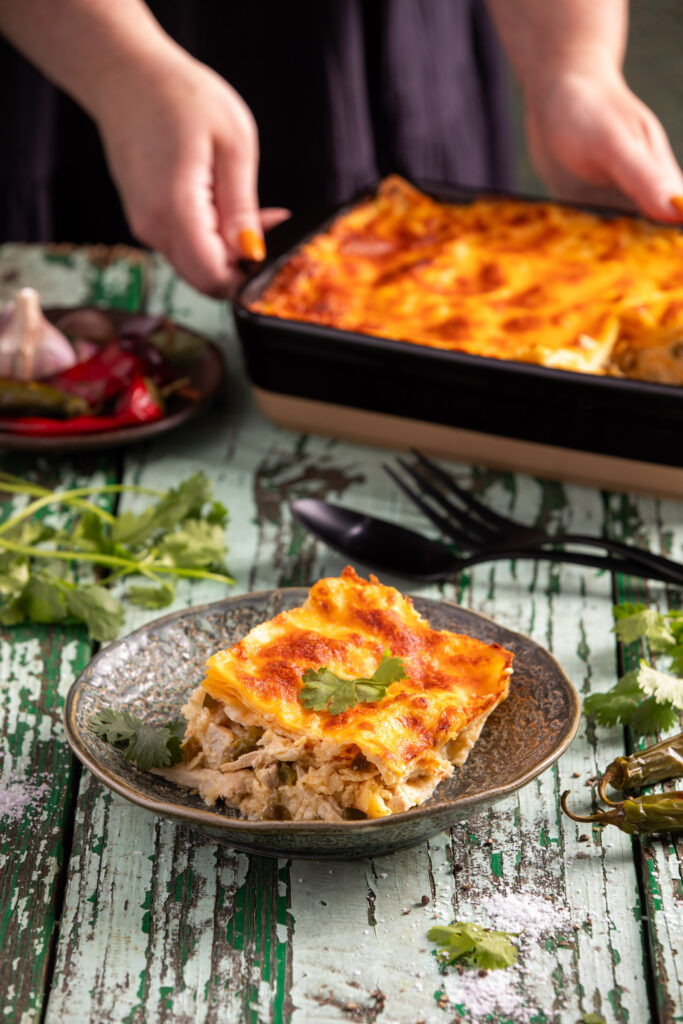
(239,221)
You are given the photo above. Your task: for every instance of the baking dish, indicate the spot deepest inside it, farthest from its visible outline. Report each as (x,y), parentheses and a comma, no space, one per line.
(607,431)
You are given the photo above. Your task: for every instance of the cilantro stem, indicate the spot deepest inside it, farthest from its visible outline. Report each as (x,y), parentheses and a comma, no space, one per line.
(86,506)
(70,497)
(129,564)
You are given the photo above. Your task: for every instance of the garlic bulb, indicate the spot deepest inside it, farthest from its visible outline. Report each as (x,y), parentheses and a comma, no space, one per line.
(31,348)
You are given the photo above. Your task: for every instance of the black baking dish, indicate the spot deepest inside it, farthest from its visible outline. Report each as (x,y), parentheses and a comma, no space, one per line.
(470,396)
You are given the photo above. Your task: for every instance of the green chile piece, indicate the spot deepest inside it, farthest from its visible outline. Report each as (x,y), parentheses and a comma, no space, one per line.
(286,773)
(644,815)
(31,397)
(245,744)
(664,760)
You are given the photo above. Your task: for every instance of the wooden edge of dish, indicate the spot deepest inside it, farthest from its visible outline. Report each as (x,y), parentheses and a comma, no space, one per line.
(496,452)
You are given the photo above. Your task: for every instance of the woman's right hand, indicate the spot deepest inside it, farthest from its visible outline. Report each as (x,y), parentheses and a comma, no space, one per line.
(182,147)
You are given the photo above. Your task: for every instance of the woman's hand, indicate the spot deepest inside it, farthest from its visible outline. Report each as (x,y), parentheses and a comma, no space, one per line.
(592,140)
(182,147)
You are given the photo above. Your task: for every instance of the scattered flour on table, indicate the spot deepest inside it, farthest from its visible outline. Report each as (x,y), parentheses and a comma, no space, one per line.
(17,793)
(501,991)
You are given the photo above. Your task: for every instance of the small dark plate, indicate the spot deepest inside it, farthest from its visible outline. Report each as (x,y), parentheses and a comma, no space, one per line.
(152,671)
(206,376)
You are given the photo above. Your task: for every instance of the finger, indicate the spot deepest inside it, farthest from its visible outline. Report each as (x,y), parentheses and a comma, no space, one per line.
(197,249)
(650,176)
(677,203)
(236,200)
(271,216)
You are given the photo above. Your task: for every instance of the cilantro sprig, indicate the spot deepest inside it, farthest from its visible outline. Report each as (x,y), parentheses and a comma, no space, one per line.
(180,535)
(325,691)
(147,746)
(473,945)
(645,698)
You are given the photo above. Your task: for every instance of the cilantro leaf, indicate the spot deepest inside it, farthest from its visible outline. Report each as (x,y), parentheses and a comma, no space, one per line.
(174,741)
(179,503)
(326,691)
(676,655)
(13,578)
(97,608)
(42,600)
(389,670)
(616,706)
(151,597)
(218,514)
(88,534)
(473,945)
(646,699)
(196,544)
(147,746)
(660,685)
(625,609)
(652,716)
(647,623)
(114,727)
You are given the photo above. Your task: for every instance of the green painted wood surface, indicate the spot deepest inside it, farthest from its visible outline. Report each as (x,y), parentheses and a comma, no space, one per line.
(159,925)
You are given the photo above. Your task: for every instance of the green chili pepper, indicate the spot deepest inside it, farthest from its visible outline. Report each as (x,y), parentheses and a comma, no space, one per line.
(656,812)
(662,761)
(30,396)
(248,742)
(286,773)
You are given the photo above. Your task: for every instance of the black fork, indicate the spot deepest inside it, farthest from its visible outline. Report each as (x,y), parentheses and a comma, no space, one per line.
(473,526)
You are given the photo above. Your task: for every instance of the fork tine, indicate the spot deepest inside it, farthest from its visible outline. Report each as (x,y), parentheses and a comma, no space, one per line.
(482,510)
(478,531)
(446,527)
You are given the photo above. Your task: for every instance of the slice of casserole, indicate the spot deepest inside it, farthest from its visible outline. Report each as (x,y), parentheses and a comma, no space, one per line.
(251,742)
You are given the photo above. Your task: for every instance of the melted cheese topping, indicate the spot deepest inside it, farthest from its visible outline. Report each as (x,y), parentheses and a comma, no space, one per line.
(512,279)
(345,625)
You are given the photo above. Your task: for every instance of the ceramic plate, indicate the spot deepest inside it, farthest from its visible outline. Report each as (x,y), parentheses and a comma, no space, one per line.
(206,376)
(152,671)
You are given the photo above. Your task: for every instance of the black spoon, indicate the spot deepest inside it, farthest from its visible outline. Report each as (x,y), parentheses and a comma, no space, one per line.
(375,542)
(387,547)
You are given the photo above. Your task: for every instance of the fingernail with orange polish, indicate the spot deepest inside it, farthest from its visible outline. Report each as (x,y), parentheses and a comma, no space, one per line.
(252,245)
(677,203)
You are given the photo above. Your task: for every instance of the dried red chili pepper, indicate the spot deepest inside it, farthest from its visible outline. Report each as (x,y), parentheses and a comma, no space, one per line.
(103,376)
(140,402)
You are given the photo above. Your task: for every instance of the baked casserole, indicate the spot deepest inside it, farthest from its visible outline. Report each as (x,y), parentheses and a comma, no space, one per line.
(536,282)
(253,742)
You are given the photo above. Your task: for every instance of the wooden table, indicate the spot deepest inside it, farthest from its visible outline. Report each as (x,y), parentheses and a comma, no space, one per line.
(110,914)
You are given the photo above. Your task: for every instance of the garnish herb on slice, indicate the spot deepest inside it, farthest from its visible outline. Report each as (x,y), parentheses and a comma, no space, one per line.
(646,698)
(325,691)
(147,746)
(473,945)
(181,534)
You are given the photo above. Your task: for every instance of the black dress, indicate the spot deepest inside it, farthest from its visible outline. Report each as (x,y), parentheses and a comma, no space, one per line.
(343,92)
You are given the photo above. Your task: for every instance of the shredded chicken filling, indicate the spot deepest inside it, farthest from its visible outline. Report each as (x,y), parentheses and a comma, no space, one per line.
(268,775)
